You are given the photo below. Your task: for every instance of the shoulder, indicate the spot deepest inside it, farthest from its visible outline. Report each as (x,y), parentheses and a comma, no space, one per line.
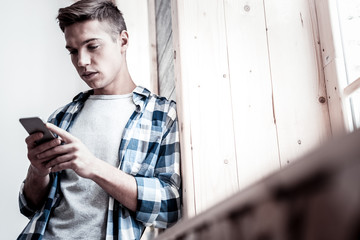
(156,105)
(69,109)
(164,105)
(155,110)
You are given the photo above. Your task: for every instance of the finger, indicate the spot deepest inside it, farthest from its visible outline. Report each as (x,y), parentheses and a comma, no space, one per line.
(56,151)
(61,166)
(45,147)
(60,160)
(65,136)
(32,138)
(40,165)
(34,159)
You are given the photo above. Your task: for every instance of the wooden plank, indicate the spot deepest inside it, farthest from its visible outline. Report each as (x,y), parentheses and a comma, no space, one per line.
(165,49)
(338,106)
(352,87)
(333,64)
(166,71)
(214,160)
(183,102)
(301,112)
(203,54)
(251,91)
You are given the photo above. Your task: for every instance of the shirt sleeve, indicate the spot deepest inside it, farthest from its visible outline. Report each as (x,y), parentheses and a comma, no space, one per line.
(25,209)
(29,211)
(159,198)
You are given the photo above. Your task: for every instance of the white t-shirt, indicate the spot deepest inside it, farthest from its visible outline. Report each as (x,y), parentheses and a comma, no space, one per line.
(82,213)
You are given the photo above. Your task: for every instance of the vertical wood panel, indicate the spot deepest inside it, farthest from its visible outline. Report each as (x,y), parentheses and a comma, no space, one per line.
(204,64)
(333,63)
(251,90)
(165,51)
(302,121)
(183,103)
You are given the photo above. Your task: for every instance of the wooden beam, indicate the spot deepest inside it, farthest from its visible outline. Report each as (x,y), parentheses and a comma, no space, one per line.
(352,87)
(333,64)
(183,101)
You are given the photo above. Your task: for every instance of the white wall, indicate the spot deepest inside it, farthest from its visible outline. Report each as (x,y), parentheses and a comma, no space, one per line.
(37,77)
(135,13)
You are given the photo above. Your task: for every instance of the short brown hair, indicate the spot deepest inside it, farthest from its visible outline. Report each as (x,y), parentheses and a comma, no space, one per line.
(101,10)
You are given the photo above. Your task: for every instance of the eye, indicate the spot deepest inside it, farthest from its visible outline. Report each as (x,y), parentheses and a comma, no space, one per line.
(93,47)
(72,52)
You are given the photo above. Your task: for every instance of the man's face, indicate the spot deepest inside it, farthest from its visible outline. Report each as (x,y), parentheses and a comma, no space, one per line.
(96,56)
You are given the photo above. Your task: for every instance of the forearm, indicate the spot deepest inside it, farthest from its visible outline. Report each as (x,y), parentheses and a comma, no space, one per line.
(36,188)
(116,183)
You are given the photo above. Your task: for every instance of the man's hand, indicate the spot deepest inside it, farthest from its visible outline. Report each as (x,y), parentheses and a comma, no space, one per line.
(39,165)
(37,183)
(76,156)
(71,155)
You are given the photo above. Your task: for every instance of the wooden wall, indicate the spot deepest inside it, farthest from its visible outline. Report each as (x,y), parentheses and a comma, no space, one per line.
(250,91)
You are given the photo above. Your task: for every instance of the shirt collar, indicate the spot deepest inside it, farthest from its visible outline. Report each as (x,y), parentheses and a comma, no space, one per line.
(81,97)
(140,94)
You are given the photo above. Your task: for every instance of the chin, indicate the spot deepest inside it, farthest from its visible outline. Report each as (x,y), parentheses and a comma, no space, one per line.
(94,84)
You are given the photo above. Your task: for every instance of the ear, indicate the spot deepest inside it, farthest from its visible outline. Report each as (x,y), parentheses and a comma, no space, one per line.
(124,40)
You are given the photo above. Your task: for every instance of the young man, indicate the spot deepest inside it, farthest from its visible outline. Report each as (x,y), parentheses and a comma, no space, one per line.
(115,167)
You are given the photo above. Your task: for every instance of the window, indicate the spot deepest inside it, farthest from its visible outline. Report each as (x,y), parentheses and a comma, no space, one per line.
(349,23)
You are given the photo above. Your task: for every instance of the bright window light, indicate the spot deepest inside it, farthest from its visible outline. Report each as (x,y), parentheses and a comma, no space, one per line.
(349,18)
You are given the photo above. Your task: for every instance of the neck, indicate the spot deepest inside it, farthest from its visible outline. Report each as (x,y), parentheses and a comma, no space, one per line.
(123,85)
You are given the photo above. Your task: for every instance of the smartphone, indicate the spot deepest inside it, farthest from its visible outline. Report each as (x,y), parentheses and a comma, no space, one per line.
(35,124)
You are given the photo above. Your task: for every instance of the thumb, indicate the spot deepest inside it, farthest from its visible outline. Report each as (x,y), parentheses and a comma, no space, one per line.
(64,135)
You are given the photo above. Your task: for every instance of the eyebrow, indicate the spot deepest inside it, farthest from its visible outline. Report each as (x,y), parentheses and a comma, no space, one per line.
(83,43)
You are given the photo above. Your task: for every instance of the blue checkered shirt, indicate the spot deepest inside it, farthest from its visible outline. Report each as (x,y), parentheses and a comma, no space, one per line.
(149,150)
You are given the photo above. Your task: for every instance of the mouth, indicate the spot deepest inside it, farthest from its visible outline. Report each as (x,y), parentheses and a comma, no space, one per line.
(88,75)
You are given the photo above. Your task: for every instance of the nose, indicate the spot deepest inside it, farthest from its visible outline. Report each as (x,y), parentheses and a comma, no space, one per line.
(83,59)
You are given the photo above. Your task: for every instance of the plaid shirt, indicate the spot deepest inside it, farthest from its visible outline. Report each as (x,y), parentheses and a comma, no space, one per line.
(149,150)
